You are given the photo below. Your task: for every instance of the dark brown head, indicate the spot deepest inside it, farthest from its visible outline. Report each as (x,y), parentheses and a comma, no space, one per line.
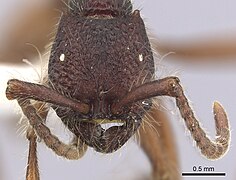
(101,52)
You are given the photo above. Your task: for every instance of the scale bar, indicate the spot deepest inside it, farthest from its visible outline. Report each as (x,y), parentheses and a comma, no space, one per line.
(203,174)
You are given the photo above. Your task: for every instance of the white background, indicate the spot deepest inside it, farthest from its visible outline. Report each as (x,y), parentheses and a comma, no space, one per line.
(169,19)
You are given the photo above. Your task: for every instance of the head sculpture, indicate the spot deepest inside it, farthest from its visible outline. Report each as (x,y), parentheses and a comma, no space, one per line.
(107,54)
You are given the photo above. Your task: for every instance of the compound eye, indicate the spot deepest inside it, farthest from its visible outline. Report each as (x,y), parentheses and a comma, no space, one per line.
(62,57)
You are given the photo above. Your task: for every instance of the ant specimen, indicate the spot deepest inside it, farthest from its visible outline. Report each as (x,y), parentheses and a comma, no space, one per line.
(101,71)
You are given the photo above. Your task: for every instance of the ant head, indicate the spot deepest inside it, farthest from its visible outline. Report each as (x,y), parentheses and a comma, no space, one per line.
(101,52)
(101,8)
